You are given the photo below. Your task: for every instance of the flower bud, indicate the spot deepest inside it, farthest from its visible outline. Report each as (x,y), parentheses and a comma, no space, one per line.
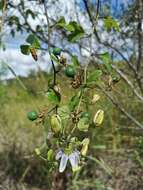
(95,98)
(85,144)
(37,151)
(55,123)
(98,118)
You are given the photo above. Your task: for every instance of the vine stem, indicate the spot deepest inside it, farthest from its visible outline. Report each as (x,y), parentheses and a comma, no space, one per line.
(80,100)
(54,69)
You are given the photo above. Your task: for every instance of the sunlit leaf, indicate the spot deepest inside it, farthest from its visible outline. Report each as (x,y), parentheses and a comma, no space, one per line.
(61,22)
(110,23)
(33,40)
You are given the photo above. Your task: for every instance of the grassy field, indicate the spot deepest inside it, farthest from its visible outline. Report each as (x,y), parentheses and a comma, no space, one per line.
(119,151)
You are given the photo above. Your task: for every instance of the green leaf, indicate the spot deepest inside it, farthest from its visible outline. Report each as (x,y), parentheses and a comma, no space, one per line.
(54,58)
(110,23)
(76,31)
(29,12)
(13,20)
(75,60)
(73,102)
(83,124)
(106,58)
(94,75)
(64,112)
(75,36)
(53,96)
(61,22)
(33,40)
(71,26)
(25,49)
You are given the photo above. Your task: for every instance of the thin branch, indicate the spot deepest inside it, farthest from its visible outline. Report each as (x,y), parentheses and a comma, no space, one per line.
(54,69)
(121,108)
(125,78)
(47,18)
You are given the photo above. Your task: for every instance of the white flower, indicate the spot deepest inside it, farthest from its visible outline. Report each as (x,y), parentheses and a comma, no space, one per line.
(73,158)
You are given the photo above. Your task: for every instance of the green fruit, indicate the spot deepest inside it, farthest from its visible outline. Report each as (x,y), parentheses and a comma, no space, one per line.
(70,71)
(85,114)
(57,51)
(32,115)
(115,78)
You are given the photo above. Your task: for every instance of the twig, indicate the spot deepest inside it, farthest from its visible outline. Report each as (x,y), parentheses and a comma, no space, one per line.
(54,69)
(121,108)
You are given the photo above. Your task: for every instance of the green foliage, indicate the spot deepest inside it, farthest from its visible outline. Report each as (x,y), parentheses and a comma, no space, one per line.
(94,75)
(33,40)
(74,102)
(75,60)
(53,97)
(83,124)
(57,51)
(86,115)
(76,31)
(29,12)
(25,49)
(13,20)
(110,23)
(61,22)
(106,58)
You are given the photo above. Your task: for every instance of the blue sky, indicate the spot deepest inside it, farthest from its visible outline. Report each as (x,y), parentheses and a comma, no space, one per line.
(23,64)
(116,6)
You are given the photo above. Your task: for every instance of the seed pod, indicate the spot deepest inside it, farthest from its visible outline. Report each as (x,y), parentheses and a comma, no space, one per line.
(95,98)
(98,118)
(55,123)
(50,155)
(85,144)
